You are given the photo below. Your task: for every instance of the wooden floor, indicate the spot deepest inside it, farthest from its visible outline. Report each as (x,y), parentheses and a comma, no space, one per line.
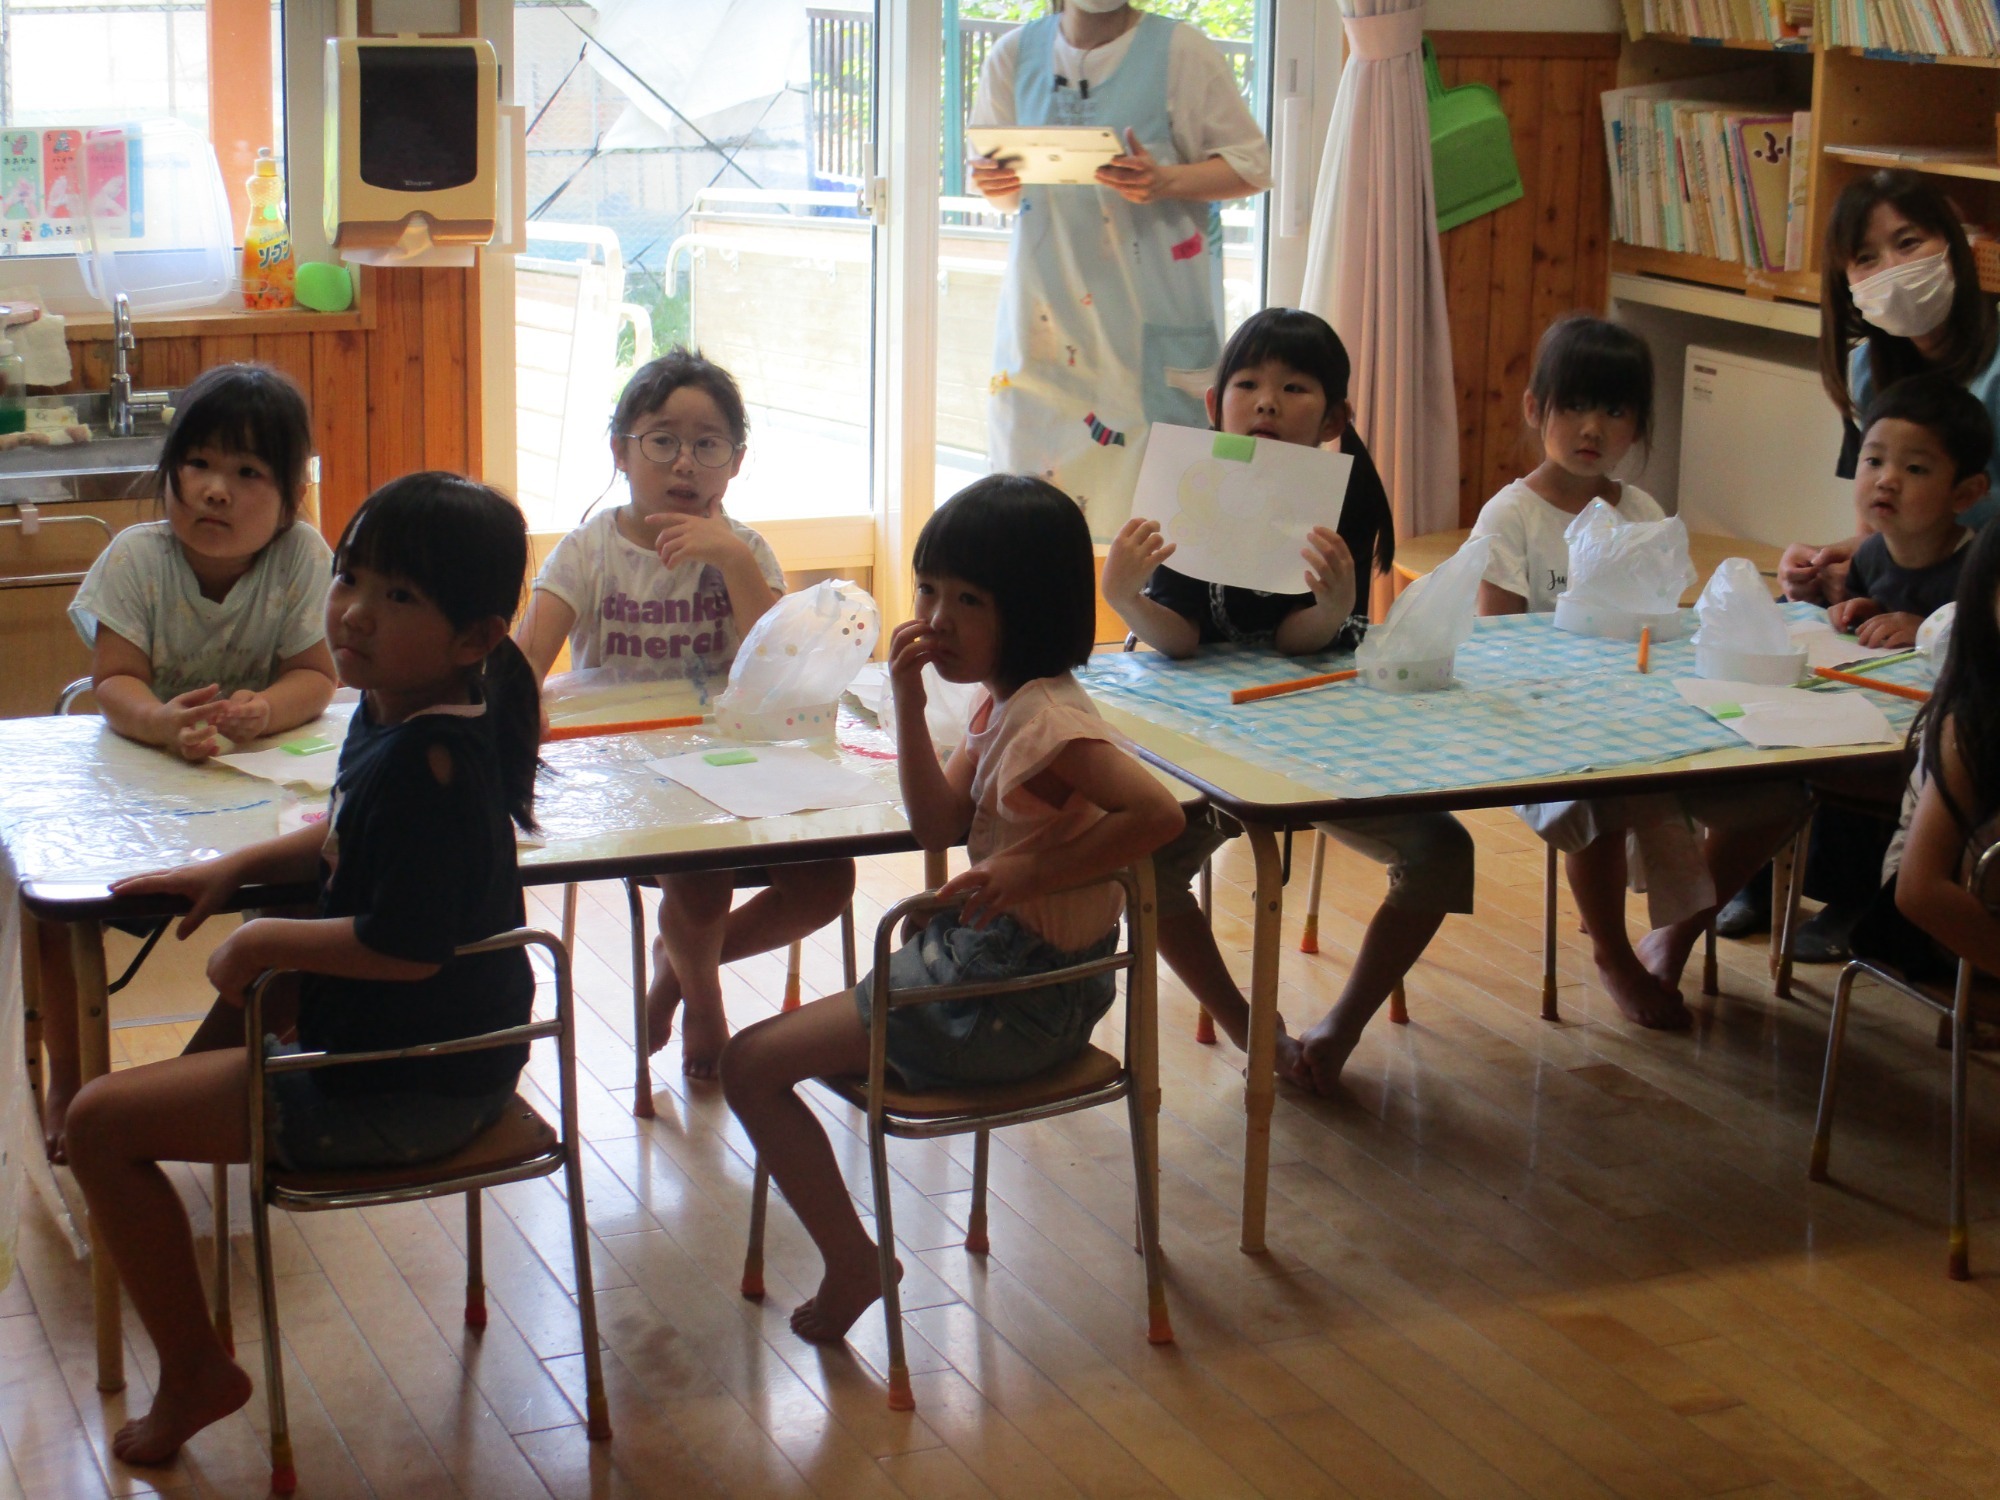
(1516,1260)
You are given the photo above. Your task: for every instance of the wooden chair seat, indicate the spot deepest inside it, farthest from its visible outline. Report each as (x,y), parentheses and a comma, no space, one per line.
(518,1137)
(1090,1070)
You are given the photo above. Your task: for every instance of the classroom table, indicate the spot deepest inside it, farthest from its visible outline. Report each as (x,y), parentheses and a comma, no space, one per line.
(1417,555)
(80,807)
(1537,715)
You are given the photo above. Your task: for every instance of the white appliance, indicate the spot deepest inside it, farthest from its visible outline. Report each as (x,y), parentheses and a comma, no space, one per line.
(1759,441)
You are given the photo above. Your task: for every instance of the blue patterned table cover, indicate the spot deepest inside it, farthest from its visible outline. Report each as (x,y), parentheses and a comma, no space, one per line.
(1532,703)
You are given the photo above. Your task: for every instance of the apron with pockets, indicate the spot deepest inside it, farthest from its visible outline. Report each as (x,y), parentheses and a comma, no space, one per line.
(1110,312)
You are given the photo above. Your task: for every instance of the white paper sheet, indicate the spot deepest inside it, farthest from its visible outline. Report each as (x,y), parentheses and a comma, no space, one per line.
(1827,647)
(1782,717)
(268,760)
(1237,509)
(778,781)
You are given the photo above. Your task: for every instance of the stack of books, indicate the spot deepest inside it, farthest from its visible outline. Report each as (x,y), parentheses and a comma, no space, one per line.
(1942,28)
(1707,166)
(1779,22)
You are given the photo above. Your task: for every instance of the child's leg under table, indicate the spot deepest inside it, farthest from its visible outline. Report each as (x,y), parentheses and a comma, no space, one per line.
(1743,827)
(1187,941)
(120,1127)
(1429,856)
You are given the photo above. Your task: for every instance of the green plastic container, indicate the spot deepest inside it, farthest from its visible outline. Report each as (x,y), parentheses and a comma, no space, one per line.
(1472,149)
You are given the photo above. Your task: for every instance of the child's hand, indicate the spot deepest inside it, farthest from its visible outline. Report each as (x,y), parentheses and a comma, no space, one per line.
(245,716)
(1329,571)
(909,650)
(992,888)
(205,886)
(234,965)
(1817,575)
(187,723)
(1889,630)
(1135,552)
(704,539)
(1847,615)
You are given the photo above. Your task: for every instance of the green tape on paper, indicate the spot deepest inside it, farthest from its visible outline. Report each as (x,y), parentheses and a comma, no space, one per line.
(313,746)
(729,757)
(1234,446)
(1726,710)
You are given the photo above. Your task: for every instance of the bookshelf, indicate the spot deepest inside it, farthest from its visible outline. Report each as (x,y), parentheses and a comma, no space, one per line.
(1871,108)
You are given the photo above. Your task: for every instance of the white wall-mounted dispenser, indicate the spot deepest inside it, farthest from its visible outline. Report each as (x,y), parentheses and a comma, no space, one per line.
(413,170)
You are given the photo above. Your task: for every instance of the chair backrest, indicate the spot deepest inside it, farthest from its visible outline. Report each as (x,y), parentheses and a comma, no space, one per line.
(1137,959)
(70,697)
(1984,881)
(562,1026)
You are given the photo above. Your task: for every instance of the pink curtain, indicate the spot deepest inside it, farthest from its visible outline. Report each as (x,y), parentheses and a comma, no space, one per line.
(1373,267)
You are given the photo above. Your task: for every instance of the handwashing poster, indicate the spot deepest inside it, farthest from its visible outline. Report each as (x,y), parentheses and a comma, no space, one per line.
(53,181)
(1238,509)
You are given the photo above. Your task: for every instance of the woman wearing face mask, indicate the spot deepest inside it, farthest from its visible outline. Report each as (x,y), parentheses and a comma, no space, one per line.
(1110,313)
(1901,297)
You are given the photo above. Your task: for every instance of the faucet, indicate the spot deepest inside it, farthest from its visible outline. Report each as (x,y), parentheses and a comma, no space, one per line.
(126,402)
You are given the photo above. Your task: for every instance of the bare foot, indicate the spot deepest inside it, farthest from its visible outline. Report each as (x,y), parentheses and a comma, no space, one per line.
(704,1033)
(1322,1052)
(55,1110)
(1662,957)
(663,998)
(181,1409)
(844,1294)
(1643,999)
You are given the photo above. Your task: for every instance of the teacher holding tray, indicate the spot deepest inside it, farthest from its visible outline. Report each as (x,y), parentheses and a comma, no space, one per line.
(1111,311)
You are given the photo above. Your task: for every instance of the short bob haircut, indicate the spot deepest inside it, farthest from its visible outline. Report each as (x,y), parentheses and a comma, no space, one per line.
(1026,543)
(1946,410)
(1584,362)
(652,383)
(245,409)
(1971,329)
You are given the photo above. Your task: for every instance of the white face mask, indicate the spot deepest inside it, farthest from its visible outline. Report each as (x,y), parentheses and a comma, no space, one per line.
(1098,7)
(1909,300)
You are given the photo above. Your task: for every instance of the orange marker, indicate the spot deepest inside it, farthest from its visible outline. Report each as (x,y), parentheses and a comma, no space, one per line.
(1296,685)
(1645,647)
(634,726)
(1894,689)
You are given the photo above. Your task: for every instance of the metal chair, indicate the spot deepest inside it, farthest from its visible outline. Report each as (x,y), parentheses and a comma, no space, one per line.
(1956,1007)
(1092,1078)
(519,1147)
(74,693)
(635,905)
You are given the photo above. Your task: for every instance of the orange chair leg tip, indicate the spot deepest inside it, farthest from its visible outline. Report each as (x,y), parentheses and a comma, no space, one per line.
(475,1314)
(1204,1029)
(1160,1332)
(642,1109)
(977,1244)
(753,1288)
(900,1397)
(284,1481)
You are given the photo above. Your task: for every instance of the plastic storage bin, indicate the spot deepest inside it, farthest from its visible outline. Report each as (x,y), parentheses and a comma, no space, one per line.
(159,227)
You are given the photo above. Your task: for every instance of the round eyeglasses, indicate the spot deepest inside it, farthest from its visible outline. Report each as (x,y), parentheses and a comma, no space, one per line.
(662,447)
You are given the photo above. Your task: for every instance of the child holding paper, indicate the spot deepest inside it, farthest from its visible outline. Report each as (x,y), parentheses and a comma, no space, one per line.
(1284,377)
(1590,399)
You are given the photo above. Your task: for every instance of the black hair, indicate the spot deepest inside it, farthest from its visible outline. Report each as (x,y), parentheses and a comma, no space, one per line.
(464,546)
(1027,544)
(652,383)
(1589,362)
(1968,690)
(1306,342)
(1971,329)
(247,409)
(1943,408)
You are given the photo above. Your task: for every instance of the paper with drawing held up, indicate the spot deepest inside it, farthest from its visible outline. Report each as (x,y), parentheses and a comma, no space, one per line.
(774,781)
(1237,509)
(1783,717)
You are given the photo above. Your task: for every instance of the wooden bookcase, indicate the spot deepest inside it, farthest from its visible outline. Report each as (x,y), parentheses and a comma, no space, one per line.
(1937,113)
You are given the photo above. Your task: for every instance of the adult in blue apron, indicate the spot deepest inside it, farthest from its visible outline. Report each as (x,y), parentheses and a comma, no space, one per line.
(1111,311)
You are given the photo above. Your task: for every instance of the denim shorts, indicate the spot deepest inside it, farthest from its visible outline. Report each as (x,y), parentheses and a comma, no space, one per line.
(311,1130)
(994,1038)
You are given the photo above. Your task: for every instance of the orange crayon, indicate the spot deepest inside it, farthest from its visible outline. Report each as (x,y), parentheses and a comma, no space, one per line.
(1296,685)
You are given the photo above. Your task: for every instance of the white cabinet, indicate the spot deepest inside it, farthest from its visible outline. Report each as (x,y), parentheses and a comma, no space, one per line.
(1759,440)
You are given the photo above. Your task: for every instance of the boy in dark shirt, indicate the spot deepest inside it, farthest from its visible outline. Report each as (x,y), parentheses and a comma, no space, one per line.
(1923,459)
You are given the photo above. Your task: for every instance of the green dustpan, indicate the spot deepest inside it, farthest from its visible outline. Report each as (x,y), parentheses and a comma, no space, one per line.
(1472,149)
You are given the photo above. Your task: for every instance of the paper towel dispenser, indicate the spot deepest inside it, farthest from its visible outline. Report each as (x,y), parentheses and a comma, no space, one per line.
(411,147)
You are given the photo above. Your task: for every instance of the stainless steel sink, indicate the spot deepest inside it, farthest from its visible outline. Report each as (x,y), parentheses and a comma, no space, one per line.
(105,468)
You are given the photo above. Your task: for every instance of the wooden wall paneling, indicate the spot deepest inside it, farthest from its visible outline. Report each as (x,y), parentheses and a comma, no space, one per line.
(1468,270)
(1556,192)
(1593,218)
(290,354)
(91,364)
(1509,334)
(167,364)
(340,403)
(229,348)
(474,379)
(444,369)
(395,379)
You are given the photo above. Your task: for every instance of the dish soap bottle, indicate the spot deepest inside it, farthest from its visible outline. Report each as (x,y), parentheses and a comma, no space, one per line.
(267,239)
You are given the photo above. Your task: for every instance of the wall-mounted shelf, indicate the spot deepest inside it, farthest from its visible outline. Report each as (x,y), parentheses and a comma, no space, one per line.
(1978,163)
(1728,275)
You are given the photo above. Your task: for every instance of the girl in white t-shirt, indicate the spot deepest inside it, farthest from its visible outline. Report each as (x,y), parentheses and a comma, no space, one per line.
(667,586)
(1044,796)
(1591,399)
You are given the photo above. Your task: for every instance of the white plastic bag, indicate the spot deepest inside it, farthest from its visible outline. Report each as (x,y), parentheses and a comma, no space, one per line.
(1738,613)
(947,705)
(803,652)
(1934,635)
(1640,567)
(1433,617)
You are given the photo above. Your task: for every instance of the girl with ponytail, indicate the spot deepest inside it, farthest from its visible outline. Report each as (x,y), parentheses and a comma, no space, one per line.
(414,860)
